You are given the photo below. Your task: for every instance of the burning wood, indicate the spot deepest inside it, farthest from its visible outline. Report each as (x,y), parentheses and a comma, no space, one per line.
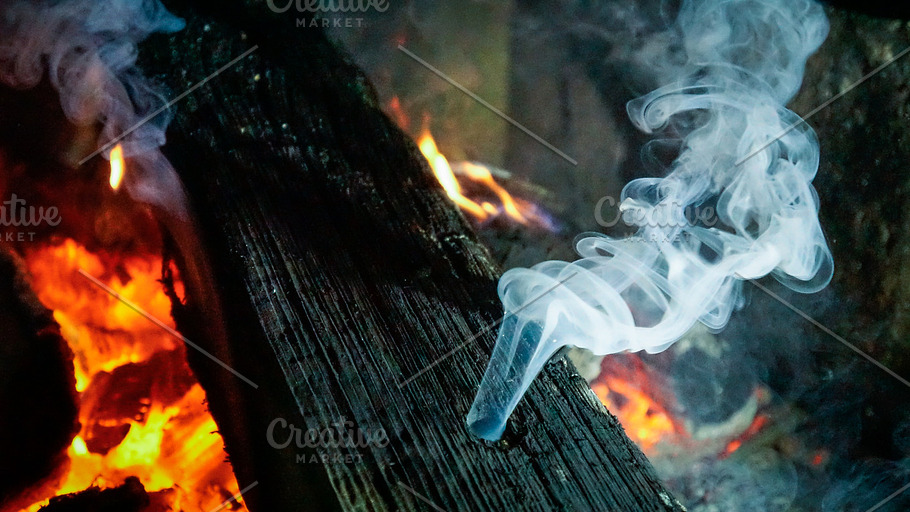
(456,177)
(35,369)
(129,497)
(142,413)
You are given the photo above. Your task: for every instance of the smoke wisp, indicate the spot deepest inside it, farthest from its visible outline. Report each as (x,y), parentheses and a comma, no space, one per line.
(87,50)
(740,150)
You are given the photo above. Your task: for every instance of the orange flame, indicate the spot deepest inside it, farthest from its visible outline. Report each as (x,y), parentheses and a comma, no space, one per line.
(517,210)
(645,421)
(117,166)
(167,438)
(481,174)
(520,211)
(446,177)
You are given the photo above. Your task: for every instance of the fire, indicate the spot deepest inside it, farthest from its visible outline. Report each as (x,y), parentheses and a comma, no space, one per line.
(515,209)
(481,174)
(446,177)
(645,421)
(141,411)
(448,174)
(117,166)
(732,446)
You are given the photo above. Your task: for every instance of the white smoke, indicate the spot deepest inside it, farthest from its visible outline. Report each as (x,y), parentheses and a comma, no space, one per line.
(740,149)
(87,49)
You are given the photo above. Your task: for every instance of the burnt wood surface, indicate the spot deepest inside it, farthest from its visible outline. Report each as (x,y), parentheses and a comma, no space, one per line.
(38,415)
(343,271)
(128,497)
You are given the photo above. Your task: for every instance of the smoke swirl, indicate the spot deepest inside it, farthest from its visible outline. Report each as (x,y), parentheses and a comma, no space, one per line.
(739,148)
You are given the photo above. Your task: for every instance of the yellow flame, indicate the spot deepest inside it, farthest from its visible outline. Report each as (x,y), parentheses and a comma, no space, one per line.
(117,166)
(483,175)
(446,177)
(512,207)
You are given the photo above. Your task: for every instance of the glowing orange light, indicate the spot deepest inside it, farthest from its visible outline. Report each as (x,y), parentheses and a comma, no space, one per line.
(397,113)
(644,420)
(117,166)
(518,210)
(483,175)
(171,444)
(754,428)
(446,177)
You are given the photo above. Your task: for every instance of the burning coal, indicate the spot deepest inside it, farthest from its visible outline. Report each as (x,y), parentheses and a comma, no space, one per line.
(141,411)
(739,63)
(86,50)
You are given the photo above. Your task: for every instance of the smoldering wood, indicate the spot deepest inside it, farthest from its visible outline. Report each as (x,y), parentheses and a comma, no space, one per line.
(128,497)
(38,414)
(343,272)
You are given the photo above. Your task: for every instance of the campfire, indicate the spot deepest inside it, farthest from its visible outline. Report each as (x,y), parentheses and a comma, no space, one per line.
(141,412)
(236,273)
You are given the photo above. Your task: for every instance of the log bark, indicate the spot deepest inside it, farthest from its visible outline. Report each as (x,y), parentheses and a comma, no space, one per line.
(352,290)
(38,414)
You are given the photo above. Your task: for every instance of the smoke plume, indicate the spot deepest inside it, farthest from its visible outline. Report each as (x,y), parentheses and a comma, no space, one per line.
(733,66)
(87,49)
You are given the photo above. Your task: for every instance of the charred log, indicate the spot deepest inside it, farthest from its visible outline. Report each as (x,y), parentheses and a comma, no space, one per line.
(37,385)
(352,290)
(129,497)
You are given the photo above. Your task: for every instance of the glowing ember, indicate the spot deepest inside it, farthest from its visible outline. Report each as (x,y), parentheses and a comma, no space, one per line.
(645,421)
(141,411)
(117,166)
(754,428)
(818,458)
(732,446)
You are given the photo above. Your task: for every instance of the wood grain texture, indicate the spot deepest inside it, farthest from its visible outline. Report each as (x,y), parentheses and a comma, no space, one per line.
(343,272)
